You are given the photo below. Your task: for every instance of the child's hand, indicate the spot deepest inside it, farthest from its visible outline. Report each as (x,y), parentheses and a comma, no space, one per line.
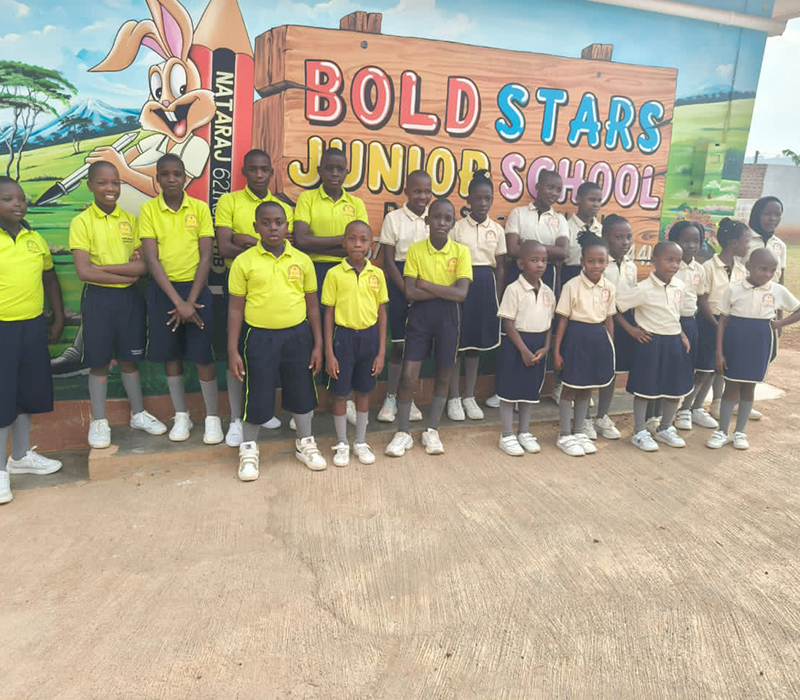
(137,255)
(315,365)
(331,366)
(686,343)
(722,364)
(54,332)
(185,312)
(558,361)
(539,355)
(236,366)
(640,336)
(377,365)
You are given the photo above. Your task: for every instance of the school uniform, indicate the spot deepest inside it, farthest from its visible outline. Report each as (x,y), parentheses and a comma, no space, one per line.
(571,267)
(532,312)
(749,341)
(546,228)
(587,349)
(356,298)
(113,316)
(24,358)
(278,340)
(774,245)
(718,278)
(623,274)
(662,368)
(435,324)
(480,327)
(178,234)
(328,219)
(400,229)
(694,279)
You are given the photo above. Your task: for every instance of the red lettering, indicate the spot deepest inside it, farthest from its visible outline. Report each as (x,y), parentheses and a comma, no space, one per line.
(372,97)
(463,107)
(324,83)
(411,119)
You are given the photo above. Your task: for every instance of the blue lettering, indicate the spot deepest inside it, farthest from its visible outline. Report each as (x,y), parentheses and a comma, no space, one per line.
(551,98)
(586,122)
(511,126)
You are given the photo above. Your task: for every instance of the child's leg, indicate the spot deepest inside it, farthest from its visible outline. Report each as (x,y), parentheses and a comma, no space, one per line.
(702,387)
(21,436)
(394,369)
(177,391)
(133,385)
(639,414)
(441,381)
(581,406)
(729,399)
(604,396)
(408,380)
(362,416)
(525,411)
(303,423)
(718,387)
(747,393)
(471,361)
(250,432)
(3,442)
(98,390)
(507,418)
(667,408)
(565,410)
(651,409)
(208,386)
(235,395)
(455,379)
(340,418)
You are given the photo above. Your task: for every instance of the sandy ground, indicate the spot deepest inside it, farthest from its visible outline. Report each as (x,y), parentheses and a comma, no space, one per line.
(472,575)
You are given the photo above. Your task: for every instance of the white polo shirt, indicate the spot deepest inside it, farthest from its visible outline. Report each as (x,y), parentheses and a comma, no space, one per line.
(575,227)
(484,240)
(583,301)
(531,311)
(694,278)
(718,280)
(774,245)
(658,306)
(621,274)
(744,300)
(546,227)
(401,228)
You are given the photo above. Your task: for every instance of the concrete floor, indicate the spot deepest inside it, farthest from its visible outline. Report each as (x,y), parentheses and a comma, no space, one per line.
(472,575)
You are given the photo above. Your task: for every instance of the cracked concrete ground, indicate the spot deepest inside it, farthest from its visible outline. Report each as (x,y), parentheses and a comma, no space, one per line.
(473,575)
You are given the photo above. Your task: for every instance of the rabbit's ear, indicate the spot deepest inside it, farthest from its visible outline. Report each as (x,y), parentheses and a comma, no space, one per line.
(174,26)
(130,37)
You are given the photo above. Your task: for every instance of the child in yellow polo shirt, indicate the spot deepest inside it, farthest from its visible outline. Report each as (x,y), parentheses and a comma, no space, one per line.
(437,275)
(26,277)
(233,219)
(178,240)
(355,298)
(273,290)
(106,249)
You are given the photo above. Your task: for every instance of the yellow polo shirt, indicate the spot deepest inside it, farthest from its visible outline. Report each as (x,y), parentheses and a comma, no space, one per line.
(237,211)
(445,266)
(356,298)
(22,262)
(582,300)
(110,239)
(178,234)
(274,288)
(327,218)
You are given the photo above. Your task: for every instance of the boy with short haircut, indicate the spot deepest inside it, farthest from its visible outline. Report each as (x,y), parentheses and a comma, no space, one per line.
(273,289)
(234,217)
(106,249)
(355,298)
(589,199)
(177,240)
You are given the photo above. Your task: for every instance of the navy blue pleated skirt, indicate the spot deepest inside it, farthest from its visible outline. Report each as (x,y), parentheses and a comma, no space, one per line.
(480,327)
(661,369)
(588,355)
(689,327)
(706,356)
(514,380)
(748,347)
(624,344)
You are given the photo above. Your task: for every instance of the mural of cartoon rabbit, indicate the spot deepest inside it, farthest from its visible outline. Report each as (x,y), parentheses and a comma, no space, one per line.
(176,108)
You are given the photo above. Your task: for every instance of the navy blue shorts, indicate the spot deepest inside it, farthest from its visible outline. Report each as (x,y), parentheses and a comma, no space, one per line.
(25,379)
(748,347)
(689,327)
(269,354)
(706,356)
(114,322)
(356,352)
(661,369)
(480,327)
(588,355)
(515,381)
(188,342)
(432,325)
(398,308)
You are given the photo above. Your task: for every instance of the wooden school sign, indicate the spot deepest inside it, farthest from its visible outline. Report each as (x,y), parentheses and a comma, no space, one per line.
(396,104)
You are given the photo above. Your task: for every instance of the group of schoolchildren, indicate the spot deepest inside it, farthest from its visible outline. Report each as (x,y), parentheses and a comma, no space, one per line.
(303,296)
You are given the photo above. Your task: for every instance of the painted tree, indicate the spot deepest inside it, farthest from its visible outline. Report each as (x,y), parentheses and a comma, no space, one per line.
(27,91)
(77,128)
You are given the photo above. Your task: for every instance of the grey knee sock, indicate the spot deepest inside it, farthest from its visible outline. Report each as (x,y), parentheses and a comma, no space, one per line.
(362,418)
(21,436)
(507,418)
(581,407)
(668,409)
(98,389)
(702,390)
(604,396)
(3,442)
(744,414)
(718,386)
(565,413)
(639,414)
(455,378)
(651,409)
(725,415)
(393,381)
(210,396)
(340,426)
(658,407)
(133,388)
(235,395)
(177,392)
(250,432)
(525,410)
(303,423)
(437,408)
(471,374)
(403,416)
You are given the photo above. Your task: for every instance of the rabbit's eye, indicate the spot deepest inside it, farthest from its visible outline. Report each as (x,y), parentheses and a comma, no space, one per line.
(156,85)
(177,80)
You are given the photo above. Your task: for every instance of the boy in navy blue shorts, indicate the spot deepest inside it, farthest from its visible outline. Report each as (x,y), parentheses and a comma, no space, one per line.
(354,295)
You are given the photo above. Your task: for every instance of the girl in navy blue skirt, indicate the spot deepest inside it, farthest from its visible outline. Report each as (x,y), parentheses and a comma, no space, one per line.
(745,340)
(584,347)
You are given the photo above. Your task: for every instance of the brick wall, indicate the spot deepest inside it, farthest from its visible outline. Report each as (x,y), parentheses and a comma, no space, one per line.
(752,184)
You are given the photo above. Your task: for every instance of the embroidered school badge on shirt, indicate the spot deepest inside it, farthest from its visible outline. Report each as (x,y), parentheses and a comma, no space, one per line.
(373,283)
(294,273)
(452,264)
(776,249)
(768,301)
(125,231)
(606,295)
(491,236)
(34,248)
(349,210)
(677,295)
(190,221)
(738,275)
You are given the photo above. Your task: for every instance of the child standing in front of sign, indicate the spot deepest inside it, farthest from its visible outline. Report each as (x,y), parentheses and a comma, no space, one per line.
(437,275)
(178,241)
(589,199)
(354,299)
(400,229)
(480,327)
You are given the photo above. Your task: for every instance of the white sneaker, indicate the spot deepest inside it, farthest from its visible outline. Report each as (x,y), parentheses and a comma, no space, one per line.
(644,441)
(493,401)
(755,415)
(33,463)
(683,419)
(713,409)
(588,429)
(416,414)
(292,424)
(147,422)
(181,427)
(99,434)
(652,424)
(556,396)
(703,418)
(248,461)
(432,442)
(351,411)
(455,410)
(306,451)
(272,424)
(233,438)
(670,437)
(529,443)
(718,439)
(213,435)
(569,445)
(5,488)
(740,441)
(472,409)
(364,453)
(388,412)
(341,455)
(510,445)
(399,444)
(586,444)
(606,428)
